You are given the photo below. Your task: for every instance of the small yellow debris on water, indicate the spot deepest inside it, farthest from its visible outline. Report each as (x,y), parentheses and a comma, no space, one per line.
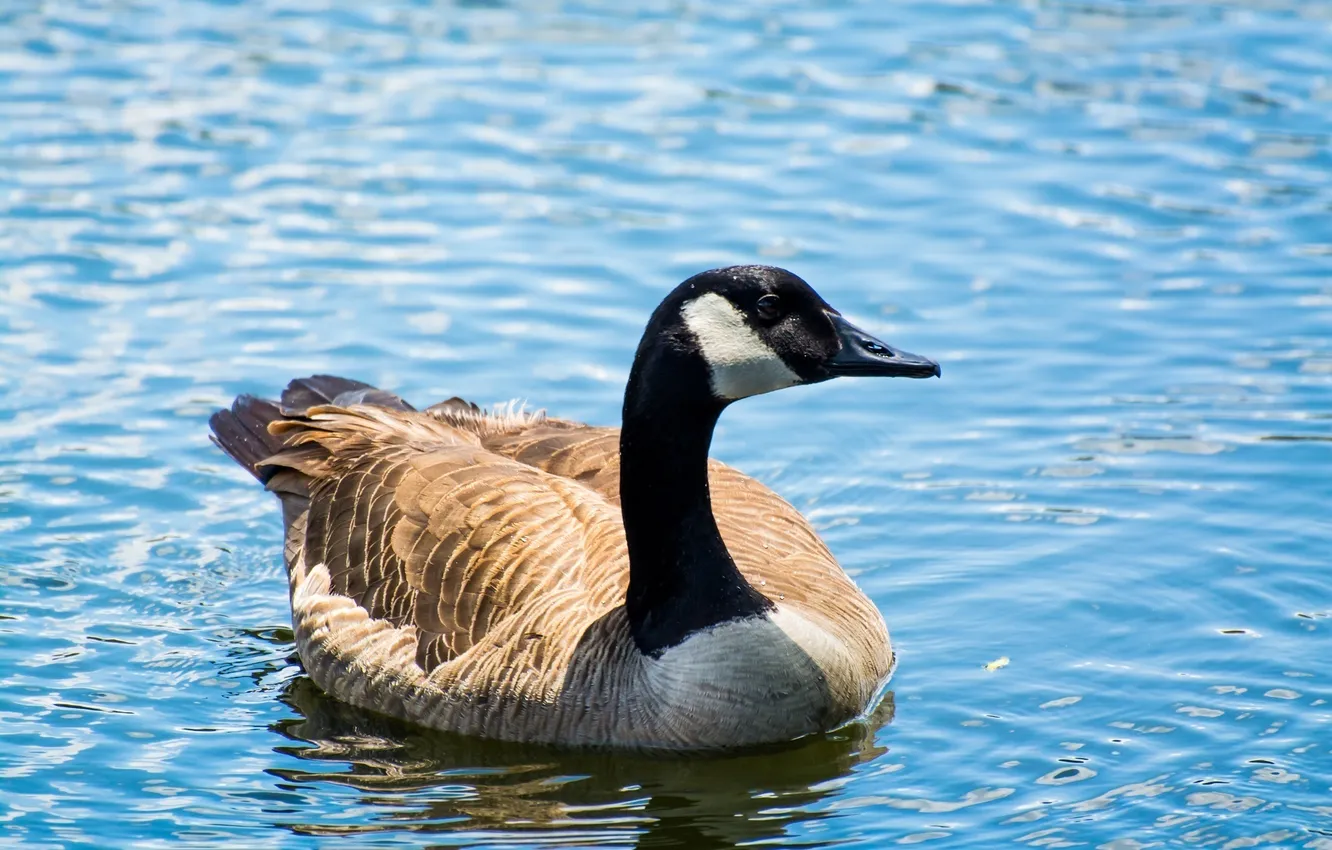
(998,663)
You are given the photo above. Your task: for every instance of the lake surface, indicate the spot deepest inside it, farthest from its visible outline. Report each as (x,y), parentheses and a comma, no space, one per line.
(1101,542)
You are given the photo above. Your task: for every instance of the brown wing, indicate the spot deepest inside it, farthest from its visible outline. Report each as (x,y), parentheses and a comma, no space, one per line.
(581,453)
(771,542)
(774,546)
(422,526)
(454,520)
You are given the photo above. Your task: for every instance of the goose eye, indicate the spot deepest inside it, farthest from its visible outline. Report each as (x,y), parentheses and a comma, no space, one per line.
(769,307)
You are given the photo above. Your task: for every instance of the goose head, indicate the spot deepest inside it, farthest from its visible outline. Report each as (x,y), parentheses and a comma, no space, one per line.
(746,330)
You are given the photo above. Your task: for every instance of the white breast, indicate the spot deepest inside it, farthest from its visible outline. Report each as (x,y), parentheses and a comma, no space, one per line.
(764,678)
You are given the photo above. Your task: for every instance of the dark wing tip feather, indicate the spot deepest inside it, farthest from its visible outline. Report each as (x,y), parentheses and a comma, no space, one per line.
(455,405)
(304,393)
(315,390)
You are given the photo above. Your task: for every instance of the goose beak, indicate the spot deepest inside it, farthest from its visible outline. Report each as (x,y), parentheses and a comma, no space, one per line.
(864,355)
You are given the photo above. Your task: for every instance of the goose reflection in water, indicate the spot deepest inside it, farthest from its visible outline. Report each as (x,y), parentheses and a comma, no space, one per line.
(469,789)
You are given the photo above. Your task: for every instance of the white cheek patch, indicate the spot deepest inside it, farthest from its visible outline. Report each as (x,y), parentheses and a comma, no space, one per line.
(740,362)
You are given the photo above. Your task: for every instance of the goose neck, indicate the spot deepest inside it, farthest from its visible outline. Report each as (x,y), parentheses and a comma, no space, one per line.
(681,577)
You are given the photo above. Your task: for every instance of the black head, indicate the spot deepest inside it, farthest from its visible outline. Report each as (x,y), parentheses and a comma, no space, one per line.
(761,328)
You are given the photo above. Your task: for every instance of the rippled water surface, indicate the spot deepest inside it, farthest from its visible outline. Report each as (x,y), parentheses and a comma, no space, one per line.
(1101,541)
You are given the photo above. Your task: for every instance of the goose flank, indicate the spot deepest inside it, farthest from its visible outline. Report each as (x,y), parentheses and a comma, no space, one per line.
(520,577)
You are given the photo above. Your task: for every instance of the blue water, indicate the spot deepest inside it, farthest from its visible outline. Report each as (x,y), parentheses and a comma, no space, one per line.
(1101,542)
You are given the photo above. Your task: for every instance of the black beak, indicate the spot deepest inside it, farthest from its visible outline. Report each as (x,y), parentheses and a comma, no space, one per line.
(862,354)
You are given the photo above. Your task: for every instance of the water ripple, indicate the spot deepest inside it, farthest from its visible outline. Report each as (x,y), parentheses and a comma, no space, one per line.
(1099,542)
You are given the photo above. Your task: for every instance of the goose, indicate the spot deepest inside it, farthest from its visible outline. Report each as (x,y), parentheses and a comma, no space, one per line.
(514,576)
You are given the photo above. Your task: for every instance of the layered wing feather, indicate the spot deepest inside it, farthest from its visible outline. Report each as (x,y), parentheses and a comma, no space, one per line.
(774,546)
(423,526)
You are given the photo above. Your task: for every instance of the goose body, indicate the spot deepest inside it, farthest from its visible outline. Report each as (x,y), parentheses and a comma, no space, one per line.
(527,578)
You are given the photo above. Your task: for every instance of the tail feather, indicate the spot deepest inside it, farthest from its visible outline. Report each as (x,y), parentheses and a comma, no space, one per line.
(242,432)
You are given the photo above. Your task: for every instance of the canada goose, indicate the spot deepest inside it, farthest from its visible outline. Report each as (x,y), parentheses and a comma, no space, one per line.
(520,577)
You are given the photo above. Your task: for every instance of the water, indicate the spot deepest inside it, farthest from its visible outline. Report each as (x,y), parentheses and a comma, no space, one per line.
(1109,222)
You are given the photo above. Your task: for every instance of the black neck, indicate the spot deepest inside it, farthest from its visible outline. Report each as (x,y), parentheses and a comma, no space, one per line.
(681,578)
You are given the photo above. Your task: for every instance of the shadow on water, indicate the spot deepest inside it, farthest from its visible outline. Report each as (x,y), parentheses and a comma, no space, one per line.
(468,789)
